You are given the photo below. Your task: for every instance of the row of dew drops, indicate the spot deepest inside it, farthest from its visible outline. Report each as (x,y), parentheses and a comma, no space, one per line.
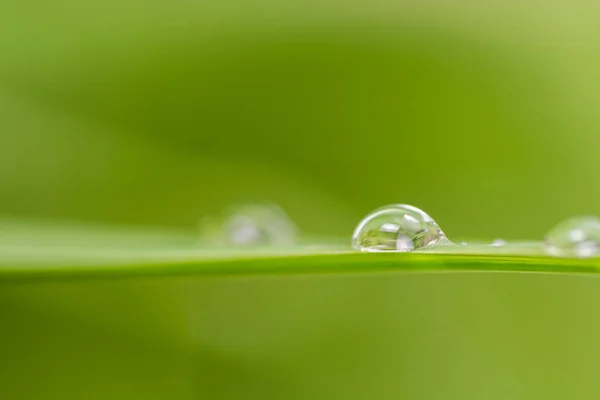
(403,228)
(392,228)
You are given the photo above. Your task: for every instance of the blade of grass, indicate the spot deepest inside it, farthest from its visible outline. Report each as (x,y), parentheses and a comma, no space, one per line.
(41,251)
(35,263)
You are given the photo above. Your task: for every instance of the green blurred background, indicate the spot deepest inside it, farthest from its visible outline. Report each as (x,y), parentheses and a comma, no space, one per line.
(158,113)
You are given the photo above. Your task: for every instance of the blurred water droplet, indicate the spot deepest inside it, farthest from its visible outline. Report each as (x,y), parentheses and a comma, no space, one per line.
(249,225)
(499,243)
(464,243)
(398,227)
(575,237)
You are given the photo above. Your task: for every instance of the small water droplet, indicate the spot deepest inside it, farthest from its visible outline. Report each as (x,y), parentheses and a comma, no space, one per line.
(397,227)
(575,237)
(249,225)
(464,243)
(499,243)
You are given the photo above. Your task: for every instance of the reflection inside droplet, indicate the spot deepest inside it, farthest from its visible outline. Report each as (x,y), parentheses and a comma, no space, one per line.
(390,228)
(404,243)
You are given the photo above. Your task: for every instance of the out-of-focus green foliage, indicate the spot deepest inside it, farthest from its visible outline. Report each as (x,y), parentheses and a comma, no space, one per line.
(381,336)
(159,113)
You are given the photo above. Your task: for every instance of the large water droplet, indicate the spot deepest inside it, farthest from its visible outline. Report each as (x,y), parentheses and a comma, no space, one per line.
(249,224)
(575,237)
(397,227)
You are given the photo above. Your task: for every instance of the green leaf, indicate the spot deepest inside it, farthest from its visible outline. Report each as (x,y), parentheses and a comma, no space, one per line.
(38,251)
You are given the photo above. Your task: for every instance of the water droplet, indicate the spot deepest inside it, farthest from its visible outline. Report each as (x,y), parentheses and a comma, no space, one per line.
(464,243)
(575,237)
(249,224)
(397,227)
(499,243)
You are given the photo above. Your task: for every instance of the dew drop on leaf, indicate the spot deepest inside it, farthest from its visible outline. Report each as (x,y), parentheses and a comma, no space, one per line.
(398,227)
(250,224)
(574,237)
(499,243)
